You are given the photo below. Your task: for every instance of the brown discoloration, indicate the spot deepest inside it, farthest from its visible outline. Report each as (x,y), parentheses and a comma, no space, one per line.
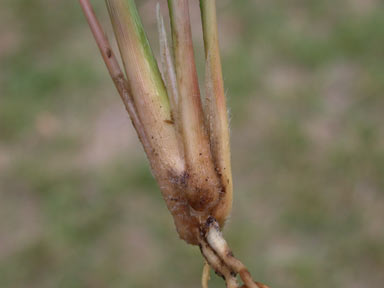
(183,179)
(172,190)
(168,121)
(200,198)
(108,52)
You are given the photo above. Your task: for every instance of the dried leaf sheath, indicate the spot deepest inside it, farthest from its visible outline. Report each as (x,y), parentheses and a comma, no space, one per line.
(215,109)
(203,186)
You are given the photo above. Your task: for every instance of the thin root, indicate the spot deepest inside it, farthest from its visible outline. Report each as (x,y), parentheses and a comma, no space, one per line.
(205,276)
(217,265)
(220,257)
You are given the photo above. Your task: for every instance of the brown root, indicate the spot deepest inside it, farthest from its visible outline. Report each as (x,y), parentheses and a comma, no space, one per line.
(220,257)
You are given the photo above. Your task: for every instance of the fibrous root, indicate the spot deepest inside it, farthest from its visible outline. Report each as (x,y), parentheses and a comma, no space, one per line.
(221,259)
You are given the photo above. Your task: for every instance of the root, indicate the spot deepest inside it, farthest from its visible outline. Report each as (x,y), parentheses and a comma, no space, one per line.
(215,262)
(205,276)
(220,257)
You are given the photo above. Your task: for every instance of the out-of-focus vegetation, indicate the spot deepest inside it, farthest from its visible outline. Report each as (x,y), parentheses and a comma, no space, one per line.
(305,83)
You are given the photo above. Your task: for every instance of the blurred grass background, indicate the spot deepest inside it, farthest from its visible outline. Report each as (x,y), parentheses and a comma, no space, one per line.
(305,85)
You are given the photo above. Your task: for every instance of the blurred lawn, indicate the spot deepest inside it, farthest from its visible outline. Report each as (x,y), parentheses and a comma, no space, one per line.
(305,83)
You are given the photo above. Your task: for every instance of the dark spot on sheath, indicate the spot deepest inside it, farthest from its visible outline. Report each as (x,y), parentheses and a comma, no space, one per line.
(210,220)
(173,178)
(200,153)
(168,121)
(184,178)
(109,53)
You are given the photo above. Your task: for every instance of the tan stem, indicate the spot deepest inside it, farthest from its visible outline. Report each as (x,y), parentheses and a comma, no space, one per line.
(216,115)
(203,186)
(115,71)
(144,79)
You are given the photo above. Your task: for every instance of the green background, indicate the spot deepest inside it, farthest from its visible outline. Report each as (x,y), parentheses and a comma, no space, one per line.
(305,86)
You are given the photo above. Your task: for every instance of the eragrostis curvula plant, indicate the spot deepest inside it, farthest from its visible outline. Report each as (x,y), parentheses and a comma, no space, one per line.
(187,144)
